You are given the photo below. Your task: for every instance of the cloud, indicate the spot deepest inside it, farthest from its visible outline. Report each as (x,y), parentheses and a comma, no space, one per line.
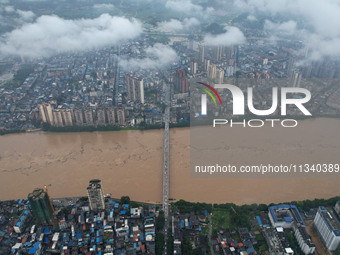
(176,25)
(251,18)
(285,28)
(9,9)
(232,36)
(25,15)
(183,6)
(49,35)
(188,8)
(157,56)
(104,6)
(319,19)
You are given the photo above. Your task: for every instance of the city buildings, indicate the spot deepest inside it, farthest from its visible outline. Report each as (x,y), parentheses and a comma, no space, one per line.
(288,217)
(201,53)
(219,79)
(181,81)
(285,216)
(135,88)
(95,195)
(212,72)
(41,206)
(46,113)
(328,227)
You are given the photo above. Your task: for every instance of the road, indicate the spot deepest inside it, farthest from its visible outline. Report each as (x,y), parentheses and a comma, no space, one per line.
(116,82)
(166,88)
(210,233)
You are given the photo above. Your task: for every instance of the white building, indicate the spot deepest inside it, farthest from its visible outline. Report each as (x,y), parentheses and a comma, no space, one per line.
(328,227)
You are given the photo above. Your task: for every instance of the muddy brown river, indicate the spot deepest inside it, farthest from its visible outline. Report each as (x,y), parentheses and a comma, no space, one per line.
(130,163)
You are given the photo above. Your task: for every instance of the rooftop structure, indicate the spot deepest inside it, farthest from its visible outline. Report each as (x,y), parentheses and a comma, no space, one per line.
(96,195)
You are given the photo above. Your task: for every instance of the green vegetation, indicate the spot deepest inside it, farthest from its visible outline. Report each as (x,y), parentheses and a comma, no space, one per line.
(220,219)
(179,125)
(14,131)
(262,246)
(160,221)
(125,200)
(170,241)
(61,99)
(187,247)
(83,199)
(20,76)
(187,207)
(159,243)
(293,242)
(16,214)
(142,127)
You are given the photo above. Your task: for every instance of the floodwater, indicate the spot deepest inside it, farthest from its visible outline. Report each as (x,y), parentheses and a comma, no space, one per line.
(130,163)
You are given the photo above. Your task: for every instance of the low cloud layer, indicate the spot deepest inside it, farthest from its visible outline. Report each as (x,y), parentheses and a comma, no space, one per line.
(176,25)
(104,6)
(188,8)
(49,35)
(157,56)
(319,22)
(232,36)
(16,16)
(284,28)
(185,6)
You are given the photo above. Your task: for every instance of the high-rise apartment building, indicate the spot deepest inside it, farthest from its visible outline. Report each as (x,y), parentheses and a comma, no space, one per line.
(46,113)
(101,117)
(67,115)
(181,81)
(121,116)
(41,206)
(111,119)
(201,53)
(96,195)
(58,119)
(328,227)
(219,76)
(79,117)
(88,117)
(212,72)
(193,67)
(206,65)
(218,52)
(135,88)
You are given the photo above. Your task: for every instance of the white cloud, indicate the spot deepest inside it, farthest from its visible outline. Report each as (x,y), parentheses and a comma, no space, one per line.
(285,28)
(232,36)
(183,6)
(176,25)
(251,18)
(320,19)
(49,35)
(25,15)
(157,56)
(9,9)
(104,6)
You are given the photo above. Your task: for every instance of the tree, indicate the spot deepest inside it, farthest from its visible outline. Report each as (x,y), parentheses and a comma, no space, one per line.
(125,200)
(159,243)
(160,221)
